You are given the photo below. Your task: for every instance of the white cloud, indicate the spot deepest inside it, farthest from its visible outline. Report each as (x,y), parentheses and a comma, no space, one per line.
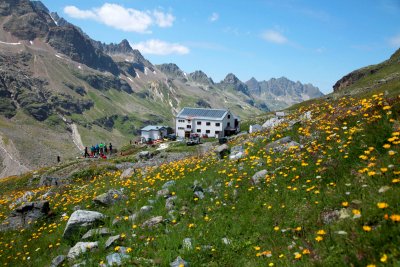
(273,36)
(163,20)
(74,12)
(121,18)
(158,47)
(214,17)
(395,41)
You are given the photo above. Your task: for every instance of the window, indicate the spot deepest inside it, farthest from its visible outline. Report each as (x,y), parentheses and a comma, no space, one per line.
(229,116)
(181,120)
(208,131)
(189,126)
(217,124)
(199,123)
(181,128)
(199,130)
(228,124)
(208,123)
(216,132)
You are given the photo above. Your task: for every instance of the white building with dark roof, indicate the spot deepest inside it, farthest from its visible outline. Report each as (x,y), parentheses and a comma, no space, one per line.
(153,132)
(204,121)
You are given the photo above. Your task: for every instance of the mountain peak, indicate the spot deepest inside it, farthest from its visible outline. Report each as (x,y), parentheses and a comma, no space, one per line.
(172,70)
(231,79)
(200,77)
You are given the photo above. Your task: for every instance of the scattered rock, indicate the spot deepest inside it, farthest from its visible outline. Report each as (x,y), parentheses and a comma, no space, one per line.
(383,189)
(145,209)
(25,214)
(273,122)
(343,214)
(170,203)
(152,222)
(111,240)
(133,217)
(226,241)
(109,198)
(82,219)
(124,165)
(222,151)
(282,144)
(81,247)
(27,197)
(163,192)
(57,261)
(96,232)
(259,176)
(255,128)
(115,259)
(187,244)
(53,181)
(127,173)
(199,194)
(330,216)
(143,155)
(179,262)
(169,184)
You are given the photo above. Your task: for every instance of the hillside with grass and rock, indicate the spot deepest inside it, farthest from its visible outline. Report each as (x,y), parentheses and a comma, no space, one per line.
(59,85)
(318,186)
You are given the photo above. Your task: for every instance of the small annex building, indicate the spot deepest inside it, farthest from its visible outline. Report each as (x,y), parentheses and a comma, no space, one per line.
(153,132)
(206,121)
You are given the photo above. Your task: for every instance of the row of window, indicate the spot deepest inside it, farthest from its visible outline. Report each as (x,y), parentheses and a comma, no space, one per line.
(207,131)
(199,123)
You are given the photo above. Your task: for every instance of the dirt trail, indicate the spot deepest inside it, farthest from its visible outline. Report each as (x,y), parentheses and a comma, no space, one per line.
(10,160)
(76,137)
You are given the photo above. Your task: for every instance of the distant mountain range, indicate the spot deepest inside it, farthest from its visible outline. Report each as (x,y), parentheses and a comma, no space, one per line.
(67,90)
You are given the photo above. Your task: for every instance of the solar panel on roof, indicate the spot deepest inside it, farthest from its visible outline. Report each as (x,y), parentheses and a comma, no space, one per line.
(209,113)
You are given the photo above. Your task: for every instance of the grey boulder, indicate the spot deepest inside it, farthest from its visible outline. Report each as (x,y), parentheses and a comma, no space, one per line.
(80,248)
(109,198)
(81,220)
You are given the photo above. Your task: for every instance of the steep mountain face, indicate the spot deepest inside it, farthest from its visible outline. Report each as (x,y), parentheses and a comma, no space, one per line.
(281,92)
(232,82)
(172,70)
(200,77)
(69,41)
(370,77)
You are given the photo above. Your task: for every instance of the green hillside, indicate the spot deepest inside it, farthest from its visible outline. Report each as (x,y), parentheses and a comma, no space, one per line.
(331,199)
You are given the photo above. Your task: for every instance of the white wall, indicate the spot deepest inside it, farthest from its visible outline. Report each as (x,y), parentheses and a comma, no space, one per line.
(181,127)
(153,134)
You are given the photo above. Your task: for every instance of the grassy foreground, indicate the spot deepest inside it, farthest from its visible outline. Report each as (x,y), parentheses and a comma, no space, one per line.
(333,201)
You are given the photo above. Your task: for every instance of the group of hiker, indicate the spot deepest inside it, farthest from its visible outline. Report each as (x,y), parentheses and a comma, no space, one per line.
(98,150)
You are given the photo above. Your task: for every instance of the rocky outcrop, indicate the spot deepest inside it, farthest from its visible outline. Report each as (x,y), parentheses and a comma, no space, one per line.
(81,220)
(172,71)
(105,82)
(258,177)
(282,144)
(232,82)
(29,20)
(200,77)
(109,198)
(80,248)
(25,214)
(69,41)
(353,77)
(222,151)
(123,48)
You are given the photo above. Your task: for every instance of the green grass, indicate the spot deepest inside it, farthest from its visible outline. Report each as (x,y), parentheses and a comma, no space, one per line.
(340,167)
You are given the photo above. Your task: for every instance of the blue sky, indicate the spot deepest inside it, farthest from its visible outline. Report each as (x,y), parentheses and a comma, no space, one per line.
(308,41)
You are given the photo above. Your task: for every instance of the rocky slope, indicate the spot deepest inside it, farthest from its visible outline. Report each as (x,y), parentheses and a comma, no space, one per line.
(374,76)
